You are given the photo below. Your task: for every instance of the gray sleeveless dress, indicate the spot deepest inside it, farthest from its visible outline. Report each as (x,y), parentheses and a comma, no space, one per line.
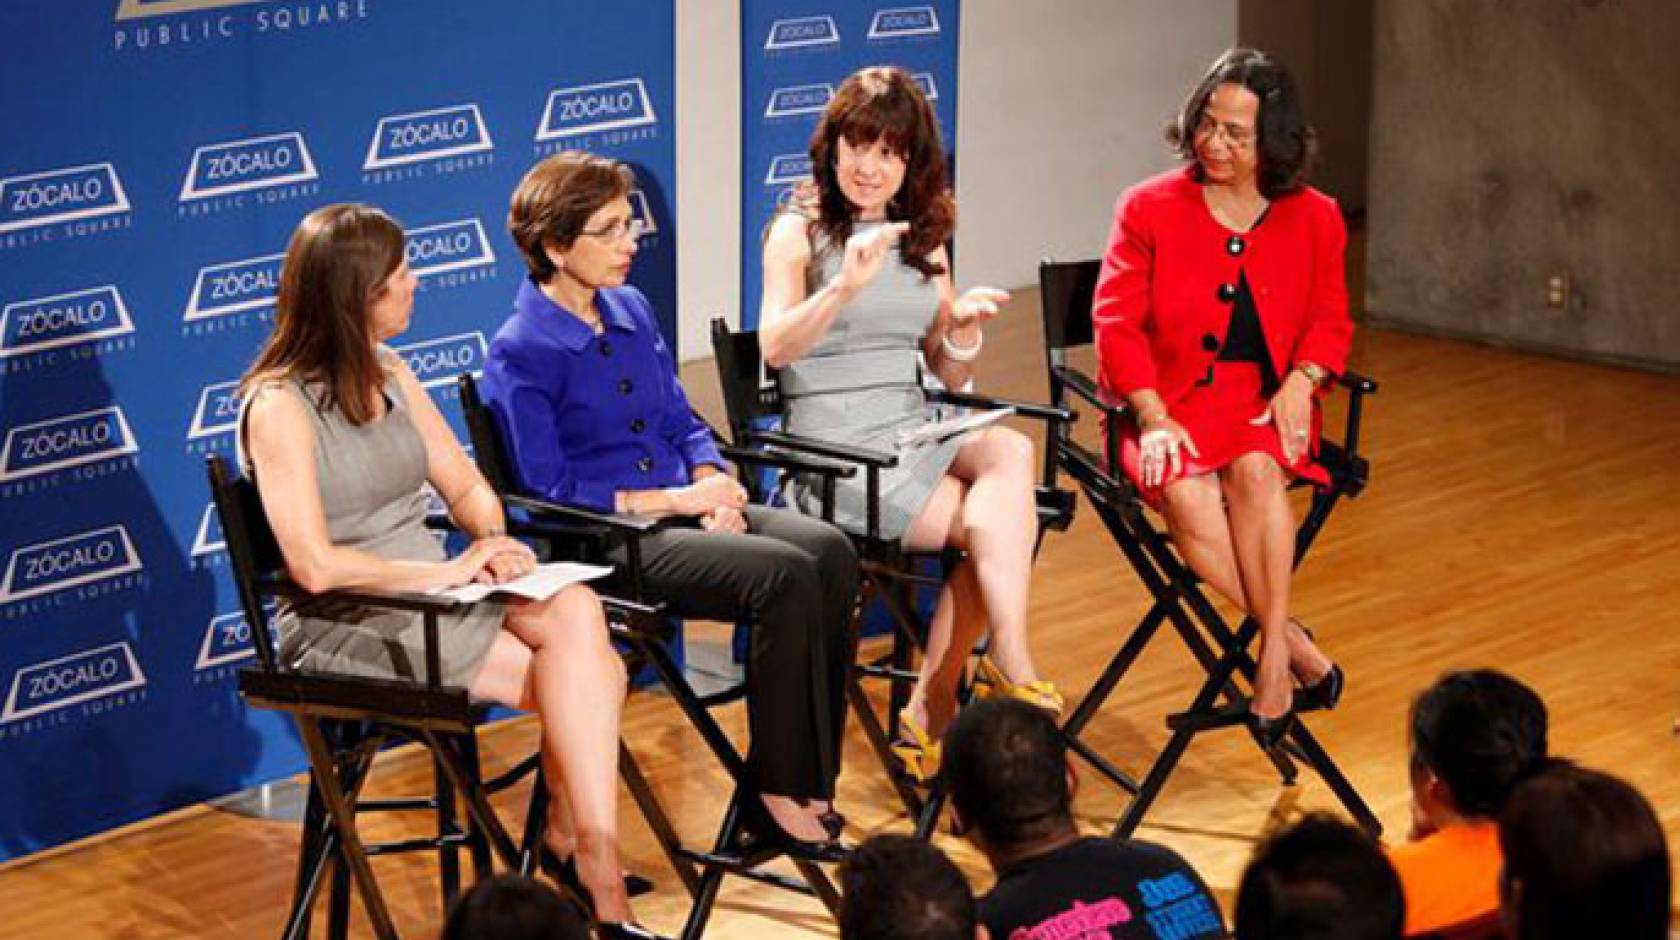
(371,480)
(861,385)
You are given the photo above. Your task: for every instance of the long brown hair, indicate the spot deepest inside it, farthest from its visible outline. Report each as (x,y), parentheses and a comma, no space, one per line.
(337,262)
(884,102)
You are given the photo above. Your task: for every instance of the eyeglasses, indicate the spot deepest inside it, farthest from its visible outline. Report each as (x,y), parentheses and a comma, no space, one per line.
(632,229)
(1236,136)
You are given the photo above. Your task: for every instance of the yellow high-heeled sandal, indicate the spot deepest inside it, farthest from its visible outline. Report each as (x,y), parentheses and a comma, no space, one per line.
(921,754)
(1040,693)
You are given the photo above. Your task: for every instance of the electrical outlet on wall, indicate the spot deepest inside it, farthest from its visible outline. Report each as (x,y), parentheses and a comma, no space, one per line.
(1557,291)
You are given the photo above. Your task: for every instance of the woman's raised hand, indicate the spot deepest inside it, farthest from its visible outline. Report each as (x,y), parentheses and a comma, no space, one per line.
(866,252)
(976,306)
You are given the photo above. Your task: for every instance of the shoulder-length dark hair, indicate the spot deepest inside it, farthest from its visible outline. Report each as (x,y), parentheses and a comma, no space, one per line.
(336,264)
(1584,857)
(876,103)
(1287,145)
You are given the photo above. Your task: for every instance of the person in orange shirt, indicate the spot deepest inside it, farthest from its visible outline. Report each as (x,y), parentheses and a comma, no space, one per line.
(1474,736)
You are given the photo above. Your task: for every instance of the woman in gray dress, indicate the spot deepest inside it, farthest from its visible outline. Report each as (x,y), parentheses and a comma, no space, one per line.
(340,439)
(857,283)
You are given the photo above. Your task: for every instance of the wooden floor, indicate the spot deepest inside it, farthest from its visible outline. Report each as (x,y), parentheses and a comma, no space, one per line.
(1522,514)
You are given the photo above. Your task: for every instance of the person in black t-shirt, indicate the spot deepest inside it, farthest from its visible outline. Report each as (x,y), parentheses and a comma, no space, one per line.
(1012,789)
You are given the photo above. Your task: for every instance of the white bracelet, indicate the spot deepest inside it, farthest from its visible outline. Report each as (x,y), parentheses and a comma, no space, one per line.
(957,353)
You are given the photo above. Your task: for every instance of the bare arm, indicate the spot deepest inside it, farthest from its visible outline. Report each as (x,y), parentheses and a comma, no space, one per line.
(959,321)
(790,322)
(473,505)
(281,445)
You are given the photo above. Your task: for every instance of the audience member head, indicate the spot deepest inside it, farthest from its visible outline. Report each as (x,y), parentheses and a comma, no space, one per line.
(1475,735)
(906,181)
(343,287)
(508,907)
(899,888)
(554,201)
(1584,857)
(1279,149)
(1006,763)
(1320,879)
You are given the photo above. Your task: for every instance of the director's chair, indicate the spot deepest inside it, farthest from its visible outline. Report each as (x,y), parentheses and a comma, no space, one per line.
(1067,289)
(582,535)
(891,574)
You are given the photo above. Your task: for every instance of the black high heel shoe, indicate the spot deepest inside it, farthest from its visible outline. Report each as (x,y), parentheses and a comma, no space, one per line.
(1270,731)
(764,827)
(565,872)
(832,822)
(1324,694)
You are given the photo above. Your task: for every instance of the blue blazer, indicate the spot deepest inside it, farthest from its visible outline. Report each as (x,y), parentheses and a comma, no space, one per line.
(585,416)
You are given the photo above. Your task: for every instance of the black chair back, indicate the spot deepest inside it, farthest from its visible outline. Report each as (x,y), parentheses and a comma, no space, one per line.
(750,393)
(485,432)
(1068,288)
(250,546)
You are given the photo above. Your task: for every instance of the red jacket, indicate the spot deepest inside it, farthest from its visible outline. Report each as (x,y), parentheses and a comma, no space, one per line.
(1158,314)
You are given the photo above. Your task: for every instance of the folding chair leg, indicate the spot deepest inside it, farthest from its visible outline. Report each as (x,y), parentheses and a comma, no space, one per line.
(314,855)
(654,814)
(536,820)
(876,735)
(477,845)
(1163,767)
(449,858)
(1320,761)
(350,852)
(478,806)
(338,900)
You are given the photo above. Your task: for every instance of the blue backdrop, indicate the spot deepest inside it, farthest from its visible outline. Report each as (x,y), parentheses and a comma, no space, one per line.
(794,53)
(157,155)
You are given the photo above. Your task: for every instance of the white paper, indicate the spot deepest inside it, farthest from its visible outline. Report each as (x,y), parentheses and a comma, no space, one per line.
(541,584)
(935,431)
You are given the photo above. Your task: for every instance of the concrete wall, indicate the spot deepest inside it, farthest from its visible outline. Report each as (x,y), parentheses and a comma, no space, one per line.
(1061,106)
(1326,45)
(1515,140)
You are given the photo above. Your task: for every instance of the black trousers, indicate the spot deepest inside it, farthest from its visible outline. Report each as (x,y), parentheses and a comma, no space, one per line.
(796,579)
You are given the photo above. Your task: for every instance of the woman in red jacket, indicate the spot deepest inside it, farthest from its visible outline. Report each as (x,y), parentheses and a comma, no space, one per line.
(1221,311)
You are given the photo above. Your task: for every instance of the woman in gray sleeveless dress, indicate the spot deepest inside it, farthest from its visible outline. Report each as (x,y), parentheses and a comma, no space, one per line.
(857,289)
(341,439)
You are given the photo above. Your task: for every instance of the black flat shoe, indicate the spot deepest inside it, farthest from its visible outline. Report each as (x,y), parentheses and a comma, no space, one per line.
(565,873)
(1324,694)
(767,831)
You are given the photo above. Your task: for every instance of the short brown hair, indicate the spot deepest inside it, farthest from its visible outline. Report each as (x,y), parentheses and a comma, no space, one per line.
(338,261)
(555,199)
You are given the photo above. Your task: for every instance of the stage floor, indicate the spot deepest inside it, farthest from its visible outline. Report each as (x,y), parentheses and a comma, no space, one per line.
(1522,515)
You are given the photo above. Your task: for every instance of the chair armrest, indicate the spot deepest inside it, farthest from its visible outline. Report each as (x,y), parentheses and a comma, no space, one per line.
(617,522)
(1022,408)
(414,601)
(787,460)
(857,455)
(1080,384)
(1353,381)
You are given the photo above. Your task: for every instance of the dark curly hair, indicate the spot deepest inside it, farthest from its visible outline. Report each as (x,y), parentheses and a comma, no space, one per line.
(884,102)
(1287,145)
(1482,733)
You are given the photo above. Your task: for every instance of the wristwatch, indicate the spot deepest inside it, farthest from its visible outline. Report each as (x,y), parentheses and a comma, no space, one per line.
(1315,373)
